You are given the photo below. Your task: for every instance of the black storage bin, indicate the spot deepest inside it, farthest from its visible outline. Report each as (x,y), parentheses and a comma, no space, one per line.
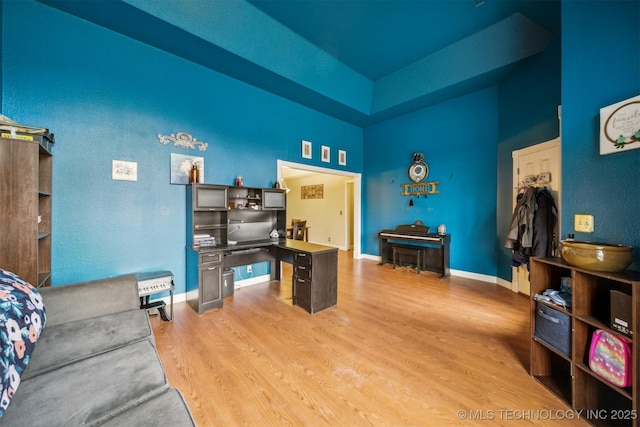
(228,282)
(554,328)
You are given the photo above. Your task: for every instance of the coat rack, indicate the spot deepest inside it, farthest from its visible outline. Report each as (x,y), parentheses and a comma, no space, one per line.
(534,181)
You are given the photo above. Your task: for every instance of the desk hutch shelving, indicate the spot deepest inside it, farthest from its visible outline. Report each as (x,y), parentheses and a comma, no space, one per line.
(249,226)
(226,214)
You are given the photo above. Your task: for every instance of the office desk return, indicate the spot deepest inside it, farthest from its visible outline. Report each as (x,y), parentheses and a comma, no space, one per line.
(315,271)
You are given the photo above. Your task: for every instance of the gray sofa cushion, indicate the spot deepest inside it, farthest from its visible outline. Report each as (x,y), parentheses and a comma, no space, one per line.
(68,303)
(166,409)
(60,345)
(90,391)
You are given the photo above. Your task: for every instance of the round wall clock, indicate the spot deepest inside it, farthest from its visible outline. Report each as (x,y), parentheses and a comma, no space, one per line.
(418,170)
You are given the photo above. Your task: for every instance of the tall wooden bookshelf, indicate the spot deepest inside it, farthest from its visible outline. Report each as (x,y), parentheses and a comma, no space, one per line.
(25,209)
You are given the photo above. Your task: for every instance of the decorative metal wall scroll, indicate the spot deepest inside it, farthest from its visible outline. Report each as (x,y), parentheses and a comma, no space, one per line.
(183,140)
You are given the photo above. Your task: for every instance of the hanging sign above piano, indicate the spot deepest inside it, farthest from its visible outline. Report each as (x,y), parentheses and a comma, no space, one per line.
(420,189)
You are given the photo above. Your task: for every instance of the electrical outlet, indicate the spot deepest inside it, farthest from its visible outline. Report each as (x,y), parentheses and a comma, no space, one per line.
(328,239)
(249,269)
(583,223)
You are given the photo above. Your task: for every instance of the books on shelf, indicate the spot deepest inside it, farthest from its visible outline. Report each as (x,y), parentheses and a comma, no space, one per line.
(202,239)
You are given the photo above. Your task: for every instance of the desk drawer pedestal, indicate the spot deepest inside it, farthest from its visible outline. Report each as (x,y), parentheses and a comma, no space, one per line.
(315,280)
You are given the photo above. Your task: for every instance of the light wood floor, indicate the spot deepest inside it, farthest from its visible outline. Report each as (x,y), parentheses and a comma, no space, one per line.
(399,349)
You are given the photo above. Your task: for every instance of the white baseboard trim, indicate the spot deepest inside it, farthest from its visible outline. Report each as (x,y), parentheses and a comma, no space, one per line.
(252,281)
(481,277)
(504,283)
(265,278)
(458,273)
(371,257)
(182,297)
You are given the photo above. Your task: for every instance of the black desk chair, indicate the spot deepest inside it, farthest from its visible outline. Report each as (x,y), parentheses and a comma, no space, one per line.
(299,228)
(290,228)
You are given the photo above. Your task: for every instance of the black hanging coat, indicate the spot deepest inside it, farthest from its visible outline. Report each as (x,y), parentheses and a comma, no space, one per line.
(531,232)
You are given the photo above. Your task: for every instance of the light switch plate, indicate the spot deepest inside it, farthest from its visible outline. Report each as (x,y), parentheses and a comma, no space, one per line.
(583,223)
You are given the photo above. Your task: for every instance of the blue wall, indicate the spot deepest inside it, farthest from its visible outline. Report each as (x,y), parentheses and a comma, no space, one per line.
(600,66)
(528,105)
(458,139)
(106,97)
(521,111)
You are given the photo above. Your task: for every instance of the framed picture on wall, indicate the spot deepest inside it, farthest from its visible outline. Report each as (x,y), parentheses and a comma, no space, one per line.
(342,157)
(312,191)
(620,126)
(306,149)
(326,154)
(181,166)
(124,171)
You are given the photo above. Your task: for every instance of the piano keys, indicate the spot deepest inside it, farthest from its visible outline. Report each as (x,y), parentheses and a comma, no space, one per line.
(155,283)
(434,247)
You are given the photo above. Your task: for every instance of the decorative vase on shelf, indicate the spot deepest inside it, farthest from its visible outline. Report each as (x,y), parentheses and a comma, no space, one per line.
(194,175)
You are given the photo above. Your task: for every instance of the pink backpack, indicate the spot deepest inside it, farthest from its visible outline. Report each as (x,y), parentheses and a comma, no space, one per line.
(610,358)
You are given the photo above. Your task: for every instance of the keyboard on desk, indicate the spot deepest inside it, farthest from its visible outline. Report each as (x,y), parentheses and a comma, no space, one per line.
(243,251)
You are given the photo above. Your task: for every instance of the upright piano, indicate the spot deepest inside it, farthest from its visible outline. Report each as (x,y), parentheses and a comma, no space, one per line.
(434,247)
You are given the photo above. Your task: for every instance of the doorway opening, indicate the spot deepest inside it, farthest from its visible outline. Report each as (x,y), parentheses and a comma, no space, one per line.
(543,158)
(335,220)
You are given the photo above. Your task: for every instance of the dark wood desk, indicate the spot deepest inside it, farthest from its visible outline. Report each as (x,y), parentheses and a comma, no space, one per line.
(315,269)
(434,249)
(315,273)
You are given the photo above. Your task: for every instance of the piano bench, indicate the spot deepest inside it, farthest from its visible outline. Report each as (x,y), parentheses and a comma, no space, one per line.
(399,250)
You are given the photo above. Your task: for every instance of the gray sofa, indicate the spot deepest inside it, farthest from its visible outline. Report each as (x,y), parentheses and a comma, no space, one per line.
(95,363)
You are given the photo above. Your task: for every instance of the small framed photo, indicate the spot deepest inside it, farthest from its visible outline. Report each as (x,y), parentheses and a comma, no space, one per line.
(326,154)
(342,157)
(306,149)
(124,171)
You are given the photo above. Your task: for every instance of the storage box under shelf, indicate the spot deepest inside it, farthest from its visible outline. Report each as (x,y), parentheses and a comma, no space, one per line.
(553,327)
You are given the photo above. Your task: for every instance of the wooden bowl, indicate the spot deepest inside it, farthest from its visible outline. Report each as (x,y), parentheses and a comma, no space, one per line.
(597,256)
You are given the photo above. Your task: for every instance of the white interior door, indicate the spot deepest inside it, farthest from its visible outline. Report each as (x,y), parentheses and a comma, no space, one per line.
(532,162)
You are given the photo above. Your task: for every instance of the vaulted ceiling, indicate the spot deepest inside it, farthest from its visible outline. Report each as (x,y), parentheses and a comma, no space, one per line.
(361,61)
